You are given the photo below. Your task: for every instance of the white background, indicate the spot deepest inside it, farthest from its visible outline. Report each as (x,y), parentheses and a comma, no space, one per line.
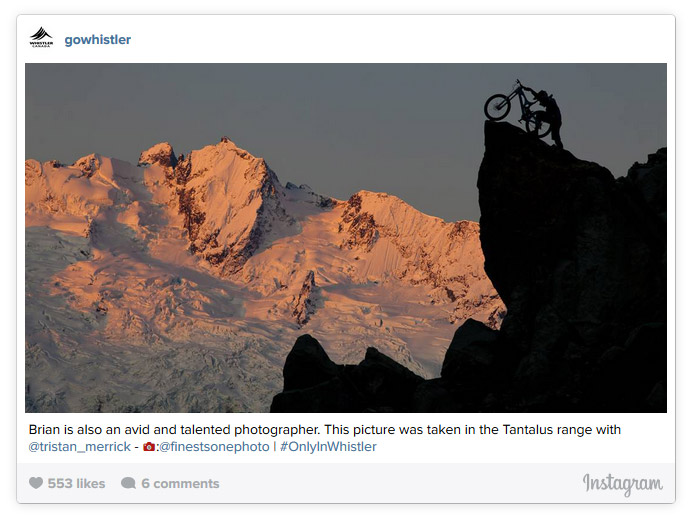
(685,23)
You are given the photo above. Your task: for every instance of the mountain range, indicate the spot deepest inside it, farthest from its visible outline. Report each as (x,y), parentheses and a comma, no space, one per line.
(179,283)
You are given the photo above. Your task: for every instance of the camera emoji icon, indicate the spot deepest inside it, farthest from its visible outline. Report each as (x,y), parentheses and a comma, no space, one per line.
(149,446)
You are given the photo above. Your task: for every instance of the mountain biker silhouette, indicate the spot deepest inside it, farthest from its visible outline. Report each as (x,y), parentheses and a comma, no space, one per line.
(551,115)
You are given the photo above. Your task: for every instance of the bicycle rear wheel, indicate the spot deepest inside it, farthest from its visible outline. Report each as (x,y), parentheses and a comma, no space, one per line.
(542,128)
(497,106)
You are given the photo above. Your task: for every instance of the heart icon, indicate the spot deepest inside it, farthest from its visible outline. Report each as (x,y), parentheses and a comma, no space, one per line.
(36,482)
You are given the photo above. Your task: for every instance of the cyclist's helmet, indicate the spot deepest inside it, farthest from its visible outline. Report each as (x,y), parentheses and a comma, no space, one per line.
(542,95)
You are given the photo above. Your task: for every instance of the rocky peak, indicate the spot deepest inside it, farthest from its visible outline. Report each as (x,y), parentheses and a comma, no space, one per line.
(230,201)
(225,157)
(159,154)
(88,164)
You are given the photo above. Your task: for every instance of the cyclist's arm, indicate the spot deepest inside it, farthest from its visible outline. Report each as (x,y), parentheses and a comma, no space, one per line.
(528,89)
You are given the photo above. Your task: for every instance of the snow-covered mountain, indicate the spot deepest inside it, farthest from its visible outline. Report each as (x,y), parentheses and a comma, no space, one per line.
(181,283)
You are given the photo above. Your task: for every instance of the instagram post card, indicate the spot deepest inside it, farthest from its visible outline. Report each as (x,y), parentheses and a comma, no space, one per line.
(271,255)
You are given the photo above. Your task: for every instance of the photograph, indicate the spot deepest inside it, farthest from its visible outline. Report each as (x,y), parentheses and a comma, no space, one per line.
(345,238)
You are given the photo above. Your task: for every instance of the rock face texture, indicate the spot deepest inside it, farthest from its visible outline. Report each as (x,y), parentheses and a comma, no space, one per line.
(160,154)
(230,201)
(579,259)
(305,304)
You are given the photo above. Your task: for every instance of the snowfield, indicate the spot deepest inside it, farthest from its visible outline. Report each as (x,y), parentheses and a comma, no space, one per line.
(180,284)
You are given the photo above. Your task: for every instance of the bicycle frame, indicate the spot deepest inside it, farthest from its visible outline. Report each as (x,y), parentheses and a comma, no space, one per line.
(523,101)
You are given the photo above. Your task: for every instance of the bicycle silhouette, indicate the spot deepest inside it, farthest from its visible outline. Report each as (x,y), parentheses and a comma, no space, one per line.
(498,106)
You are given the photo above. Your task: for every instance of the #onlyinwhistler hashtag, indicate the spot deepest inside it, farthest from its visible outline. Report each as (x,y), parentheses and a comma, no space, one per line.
(331,447)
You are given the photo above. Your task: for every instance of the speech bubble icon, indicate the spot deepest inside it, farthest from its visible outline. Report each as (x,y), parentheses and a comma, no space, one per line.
(127,482)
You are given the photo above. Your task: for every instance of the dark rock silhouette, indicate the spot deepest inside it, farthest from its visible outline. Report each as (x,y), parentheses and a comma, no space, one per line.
(313,383)
(307,365)
(579,259)
(650,179)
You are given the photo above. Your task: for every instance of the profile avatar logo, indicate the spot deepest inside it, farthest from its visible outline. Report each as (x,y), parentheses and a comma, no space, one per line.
(36,39)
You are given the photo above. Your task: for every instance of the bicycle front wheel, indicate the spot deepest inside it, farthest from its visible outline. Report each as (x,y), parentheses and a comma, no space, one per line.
(542,128)
(497,106)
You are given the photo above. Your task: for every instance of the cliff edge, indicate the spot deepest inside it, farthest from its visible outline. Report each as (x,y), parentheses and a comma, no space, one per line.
(579,259)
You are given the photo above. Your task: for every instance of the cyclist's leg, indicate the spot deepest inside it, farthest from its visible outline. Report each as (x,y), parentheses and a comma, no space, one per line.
(540,116)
